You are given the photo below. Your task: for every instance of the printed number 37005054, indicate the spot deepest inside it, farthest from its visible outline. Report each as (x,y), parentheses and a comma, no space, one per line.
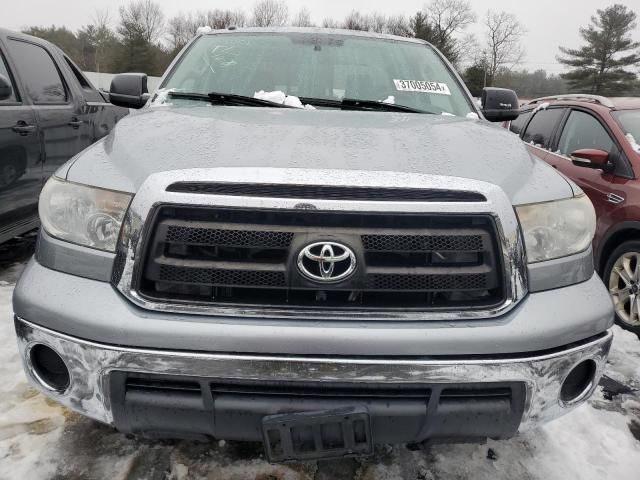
(422,86)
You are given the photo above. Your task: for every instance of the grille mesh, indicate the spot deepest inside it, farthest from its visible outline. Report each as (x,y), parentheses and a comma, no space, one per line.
(424,243)
(210,277)
(429,283)
(235,238)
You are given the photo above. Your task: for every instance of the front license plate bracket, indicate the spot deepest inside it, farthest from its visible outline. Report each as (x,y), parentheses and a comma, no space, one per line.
(338,433)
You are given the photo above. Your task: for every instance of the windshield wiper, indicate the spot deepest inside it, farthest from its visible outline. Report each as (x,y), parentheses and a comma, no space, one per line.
(216,98)
(355,104)
(345,104)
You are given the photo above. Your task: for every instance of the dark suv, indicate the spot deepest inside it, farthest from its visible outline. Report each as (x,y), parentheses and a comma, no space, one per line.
(593,140)
(49,111)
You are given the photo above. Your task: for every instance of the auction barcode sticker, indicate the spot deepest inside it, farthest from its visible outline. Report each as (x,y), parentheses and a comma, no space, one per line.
(422,86)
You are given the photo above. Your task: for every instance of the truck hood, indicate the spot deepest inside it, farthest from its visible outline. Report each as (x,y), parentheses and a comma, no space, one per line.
(161,139)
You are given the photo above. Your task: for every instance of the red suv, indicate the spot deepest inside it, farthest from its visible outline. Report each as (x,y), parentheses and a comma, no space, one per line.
(595,141)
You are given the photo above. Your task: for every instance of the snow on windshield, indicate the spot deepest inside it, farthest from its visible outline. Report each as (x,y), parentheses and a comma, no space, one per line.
(161,97)
(282,99)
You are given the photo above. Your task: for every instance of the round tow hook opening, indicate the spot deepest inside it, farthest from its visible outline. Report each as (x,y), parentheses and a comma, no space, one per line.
(578,383)
(48,368)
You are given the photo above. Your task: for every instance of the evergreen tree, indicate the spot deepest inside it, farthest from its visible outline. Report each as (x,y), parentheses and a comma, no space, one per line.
(99,45)
(474,77)
(601,66)
(421,27)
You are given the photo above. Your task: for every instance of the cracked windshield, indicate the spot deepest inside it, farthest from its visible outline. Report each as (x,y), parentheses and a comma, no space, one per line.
(321,67)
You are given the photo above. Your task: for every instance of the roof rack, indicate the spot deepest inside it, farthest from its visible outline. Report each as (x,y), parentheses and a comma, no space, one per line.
(576,96)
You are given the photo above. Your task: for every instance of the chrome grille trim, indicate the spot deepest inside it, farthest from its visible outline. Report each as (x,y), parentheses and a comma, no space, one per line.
(153,193)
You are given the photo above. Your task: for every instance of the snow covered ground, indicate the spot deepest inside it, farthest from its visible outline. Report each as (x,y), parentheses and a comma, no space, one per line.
(41,440)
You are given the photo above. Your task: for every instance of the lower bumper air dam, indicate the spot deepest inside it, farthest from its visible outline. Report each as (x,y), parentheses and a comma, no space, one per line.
(182,394)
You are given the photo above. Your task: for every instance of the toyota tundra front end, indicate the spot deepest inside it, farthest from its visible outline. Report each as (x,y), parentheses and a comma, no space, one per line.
(313,239)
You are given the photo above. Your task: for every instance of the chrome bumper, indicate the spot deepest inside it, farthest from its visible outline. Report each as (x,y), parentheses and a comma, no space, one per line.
(90,363)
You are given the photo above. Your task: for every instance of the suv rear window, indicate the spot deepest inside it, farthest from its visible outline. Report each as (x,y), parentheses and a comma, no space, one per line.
(584,131)
(541,128)
(4,71)
(39,73)
(629,120)
(518,124)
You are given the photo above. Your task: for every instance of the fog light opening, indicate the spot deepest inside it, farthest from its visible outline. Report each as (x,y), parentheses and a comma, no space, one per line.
(578,383)
(48,368)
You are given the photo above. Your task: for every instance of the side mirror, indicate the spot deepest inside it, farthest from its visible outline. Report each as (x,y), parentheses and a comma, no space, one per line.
(5,88)
(592,158)
(129,90)
(500,104)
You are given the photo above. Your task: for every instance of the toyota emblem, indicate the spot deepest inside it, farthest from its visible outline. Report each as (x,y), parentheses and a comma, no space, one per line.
(326,262)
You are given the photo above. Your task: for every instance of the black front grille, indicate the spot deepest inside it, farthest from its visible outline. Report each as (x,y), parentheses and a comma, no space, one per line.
(222,256)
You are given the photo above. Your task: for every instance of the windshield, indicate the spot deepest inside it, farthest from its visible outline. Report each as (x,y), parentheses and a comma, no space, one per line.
(629,120)
(321,66)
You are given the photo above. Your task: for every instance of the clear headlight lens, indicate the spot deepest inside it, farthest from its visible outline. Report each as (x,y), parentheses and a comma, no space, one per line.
(81,214)
(557,229)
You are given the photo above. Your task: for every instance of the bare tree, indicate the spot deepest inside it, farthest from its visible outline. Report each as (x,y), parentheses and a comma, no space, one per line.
(303,18)
(503,42)
(268,13)
(142,18)
(101,18)
(447,19)
(357,21)
(329,22)
(450,16)
(467,49)
(103,36)
(239,18)
(399,25)
(219,19)
(377,22)
(182,28)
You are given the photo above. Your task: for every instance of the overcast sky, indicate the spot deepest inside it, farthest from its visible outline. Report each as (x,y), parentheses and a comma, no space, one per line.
(549,23)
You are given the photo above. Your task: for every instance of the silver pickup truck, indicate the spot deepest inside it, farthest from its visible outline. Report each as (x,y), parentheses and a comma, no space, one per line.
(314,239)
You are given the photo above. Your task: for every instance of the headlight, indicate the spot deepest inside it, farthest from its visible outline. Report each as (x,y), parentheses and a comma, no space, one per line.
(81,214)
(557,229)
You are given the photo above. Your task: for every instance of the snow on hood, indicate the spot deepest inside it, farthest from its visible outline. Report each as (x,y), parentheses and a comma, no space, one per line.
(166,139)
